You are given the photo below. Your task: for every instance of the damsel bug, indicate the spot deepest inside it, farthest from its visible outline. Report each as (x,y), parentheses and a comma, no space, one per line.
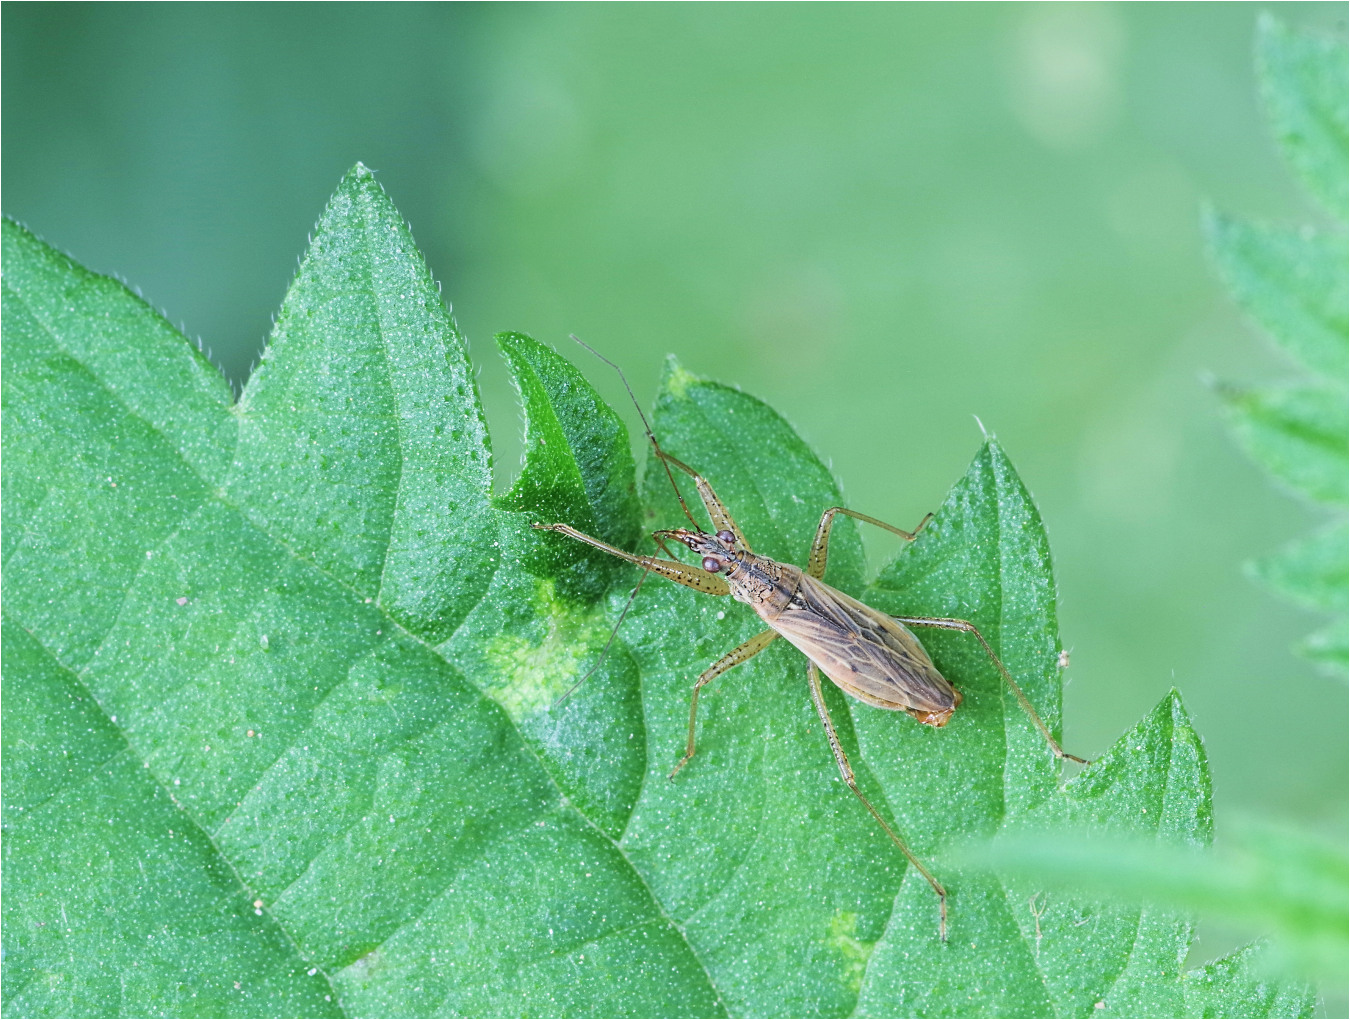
(869,655)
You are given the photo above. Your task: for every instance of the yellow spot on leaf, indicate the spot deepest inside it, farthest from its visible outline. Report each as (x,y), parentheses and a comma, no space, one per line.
(844,938)
(679,380)
(530,671)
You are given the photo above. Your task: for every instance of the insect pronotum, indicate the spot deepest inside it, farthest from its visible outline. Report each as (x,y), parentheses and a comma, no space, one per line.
(866,653)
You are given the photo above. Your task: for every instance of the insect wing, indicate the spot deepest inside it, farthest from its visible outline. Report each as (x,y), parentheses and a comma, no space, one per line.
(863,651)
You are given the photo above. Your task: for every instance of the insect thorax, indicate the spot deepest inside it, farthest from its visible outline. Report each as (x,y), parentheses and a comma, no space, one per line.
(763,583)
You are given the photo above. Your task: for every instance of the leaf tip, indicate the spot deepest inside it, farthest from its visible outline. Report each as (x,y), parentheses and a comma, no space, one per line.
(510,342)
(1178,718)
(995,452)
(358,180)
(677,378)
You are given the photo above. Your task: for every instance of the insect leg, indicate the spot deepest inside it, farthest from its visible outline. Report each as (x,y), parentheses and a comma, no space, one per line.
(721,518)
(734,657)
(965,625)
(717,511)
(820,548)
(680,573)
(846,770)
(632,597)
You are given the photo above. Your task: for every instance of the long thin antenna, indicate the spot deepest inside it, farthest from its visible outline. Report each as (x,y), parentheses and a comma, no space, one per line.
(605,651)
(645,571)
(660,454)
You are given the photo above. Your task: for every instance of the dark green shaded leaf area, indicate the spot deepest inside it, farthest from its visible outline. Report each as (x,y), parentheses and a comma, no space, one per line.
(278,733)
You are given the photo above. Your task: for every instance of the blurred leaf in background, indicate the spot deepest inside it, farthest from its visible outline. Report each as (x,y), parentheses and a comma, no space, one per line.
(1273,881)
(278,732)
(1277,883)
(1293,282)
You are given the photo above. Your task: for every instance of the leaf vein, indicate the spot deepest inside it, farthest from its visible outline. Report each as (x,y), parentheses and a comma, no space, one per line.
(244,887)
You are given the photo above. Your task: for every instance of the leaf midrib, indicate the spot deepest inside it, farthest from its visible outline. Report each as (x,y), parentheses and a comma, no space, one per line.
(131,750)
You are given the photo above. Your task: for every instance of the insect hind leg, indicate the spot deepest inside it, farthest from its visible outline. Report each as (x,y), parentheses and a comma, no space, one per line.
(946,623)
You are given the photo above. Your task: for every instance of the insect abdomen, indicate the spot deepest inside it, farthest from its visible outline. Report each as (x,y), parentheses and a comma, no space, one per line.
(864,652)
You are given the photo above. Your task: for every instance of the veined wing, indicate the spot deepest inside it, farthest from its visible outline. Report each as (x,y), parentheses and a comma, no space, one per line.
(865,652)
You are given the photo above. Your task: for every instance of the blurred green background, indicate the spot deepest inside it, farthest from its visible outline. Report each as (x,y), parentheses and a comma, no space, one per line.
(883,220)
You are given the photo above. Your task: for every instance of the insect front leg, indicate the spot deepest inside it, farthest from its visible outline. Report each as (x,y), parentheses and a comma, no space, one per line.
(846,770)
(943,623)
(820,548)
(721,518)
(680,573)
(734,657)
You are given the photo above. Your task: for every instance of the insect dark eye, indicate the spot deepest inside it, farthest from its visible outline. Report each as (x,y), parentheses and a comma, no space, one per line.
(726,537)
(712,564)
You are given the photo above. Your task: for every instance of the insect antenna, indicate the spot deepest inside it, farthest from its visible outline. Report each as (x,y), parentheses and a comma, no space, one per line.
(651,437)
(604,651)
(632,597)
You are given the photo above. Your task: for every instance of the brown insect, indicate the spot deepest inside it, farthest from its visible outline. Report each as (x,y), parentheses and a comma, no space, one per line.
(868,654)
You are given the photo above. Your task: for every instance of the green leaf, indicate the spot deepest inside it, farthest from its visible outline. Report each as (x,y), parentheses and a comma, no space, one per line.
(578,464)
(538,630)
(984,557)
(1293,283)
(1299,433)
(1239,985)
(294,804)
(280,733)
(1063,954)
(1303,82)
(1311,570)
(1329,647)
(360,435)
(1266,881)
